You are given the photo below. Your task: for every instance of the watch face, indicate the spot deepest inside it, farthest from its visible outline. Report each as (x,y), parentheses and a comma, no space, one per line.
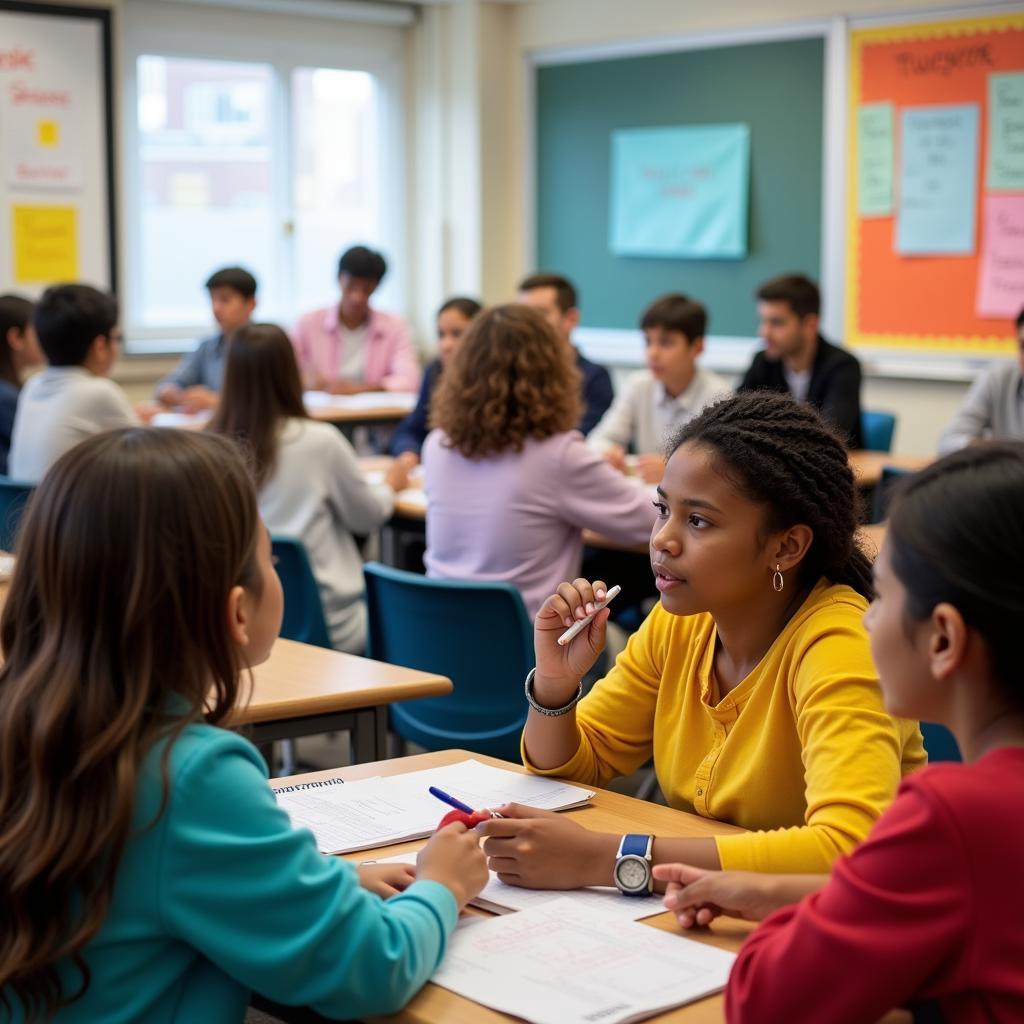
(631,873)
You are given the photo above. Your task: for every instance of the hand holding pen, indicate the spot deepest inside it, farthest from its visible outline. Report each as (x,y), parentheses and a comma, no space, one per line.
(568,637)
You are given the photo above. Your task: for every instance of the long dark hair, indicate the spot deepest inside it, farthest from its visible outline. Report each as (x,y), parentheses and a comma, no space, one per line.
(782,455)
(956,536)
(128,551)
(261,389)
(16,314)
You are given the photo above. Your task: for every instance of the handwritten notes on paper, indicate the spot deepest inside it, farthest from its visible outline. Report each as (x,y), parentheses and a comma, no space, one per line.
(1001,272)
(680,192)
(1006,133)
(875,159)
(938,173)
(566,964)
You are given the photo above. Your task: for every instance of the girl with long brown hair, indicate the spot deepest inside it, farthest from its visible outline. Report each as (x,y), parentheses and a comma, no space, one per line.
(146,871)
(510,483)
(310,484)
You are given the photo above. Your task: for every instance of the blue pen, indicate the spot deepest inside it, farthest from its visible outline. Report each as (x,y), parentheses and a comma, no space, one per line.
(448,799)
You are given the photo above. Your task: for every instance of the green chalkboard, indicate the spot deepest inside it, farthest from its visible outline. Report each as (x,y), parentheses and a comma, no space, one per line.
(774,87)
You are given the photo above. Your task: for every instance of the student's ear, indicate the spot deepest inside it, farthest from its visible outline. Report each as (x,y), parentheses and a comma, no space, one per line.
(697,346)
(811,324)
(237,612)
(250,305)
(571,317)
(947,641)
(791,546)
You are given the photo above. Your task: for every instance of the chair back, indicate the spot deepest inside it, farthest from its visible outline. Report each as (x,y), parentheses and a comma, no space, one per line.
(13,498)
(877,429)
(476,634)
(303,612)
(940,743)
(882,494)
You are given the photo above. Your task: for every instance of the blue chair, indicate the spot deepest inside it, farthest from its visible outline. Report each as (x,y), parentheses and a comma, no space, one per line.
(876,430)
(940,743)
(882,493)
(13,498)
(476,634)
(303,613)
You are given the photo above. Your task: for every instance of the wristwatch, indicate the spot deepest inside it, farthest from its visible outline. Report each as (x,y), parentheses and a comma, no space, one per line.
(633,866)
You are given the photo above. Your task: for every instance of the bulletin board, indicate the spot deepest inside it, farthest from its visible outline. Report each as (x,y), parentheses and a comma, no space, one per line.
(935,186)
(56,147)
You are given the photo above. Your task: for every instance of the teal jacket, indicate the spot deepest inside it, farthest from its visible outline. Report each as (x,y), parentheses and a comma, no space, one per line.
(222,896)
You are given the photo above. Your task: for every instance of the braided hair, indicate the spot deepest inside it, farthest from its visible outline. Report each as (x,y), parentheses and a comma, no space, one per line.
(782,455)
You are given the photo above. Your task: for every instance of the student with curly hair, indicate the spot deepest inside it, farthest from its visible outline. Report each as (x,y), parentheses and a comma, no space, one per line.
(510,483)
(751,684)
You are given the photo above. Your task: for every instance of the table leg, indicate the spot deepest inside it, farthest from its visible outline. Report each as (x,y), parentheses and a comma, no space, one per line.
(369,735)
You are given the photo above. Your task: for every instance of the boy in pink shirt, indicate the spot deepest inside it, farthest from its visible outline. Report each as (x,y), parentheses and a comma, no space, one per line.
(350,347)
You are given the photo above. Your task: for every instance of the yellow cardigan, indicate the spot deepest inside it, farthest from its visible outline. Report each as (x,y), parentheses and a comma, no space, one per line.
(802,752)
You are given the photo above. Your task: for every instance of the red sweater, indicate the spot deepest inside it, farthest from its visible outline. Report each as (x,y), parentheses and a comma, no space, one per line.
(930,907)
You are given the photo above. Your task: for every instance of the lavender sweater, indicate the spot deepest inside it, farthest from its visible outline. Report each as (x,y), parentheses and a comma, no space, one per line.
(519,516)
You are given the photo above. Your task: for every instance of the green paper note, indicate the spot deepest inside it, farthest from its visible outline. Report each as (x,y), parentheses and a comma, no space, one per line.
(874,159)
(1006,132)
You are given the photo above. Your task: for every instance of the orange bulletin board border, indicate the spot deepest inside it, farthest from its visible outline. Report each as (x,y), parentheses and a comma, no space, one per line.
(925,304)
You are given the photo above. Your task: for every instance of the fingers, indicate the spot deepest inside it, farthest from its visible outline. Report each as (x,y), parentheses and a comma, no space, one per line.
(683,874)
(454,827)
(523,811)
(573,601)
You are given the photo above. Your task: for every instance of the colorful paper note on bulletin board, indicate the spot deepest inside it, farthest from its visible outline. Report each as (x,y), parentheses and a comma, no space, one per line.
(942,287)
(680,193)
(45,241)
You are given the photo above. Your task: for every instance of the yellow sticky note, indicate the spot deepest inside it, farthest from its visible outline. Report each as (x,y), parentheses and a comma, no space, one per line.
(48,133)
(45,240)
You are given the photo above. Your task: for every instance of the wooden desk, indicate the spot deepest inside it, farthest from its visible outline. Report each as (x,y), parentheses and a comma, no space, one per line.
(304,691)
(867,466)
(609,812)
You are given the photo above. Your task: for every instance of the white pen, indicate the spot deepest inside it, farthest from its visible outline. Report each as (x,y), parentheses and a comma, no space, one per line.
(578,627)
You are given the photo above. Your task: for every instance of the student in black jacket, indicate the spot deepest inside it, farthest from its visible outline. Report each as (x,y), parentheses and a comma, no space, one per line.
(798,360)
(453,320)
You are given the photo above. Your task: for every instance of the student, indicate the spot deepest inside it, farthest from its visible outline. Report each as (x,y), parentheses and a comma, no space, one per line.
(556,299)
(453,320)
(929,911)
(994,405)
(196,381)
(657,402)
(797,359)
(19,351)
(351,347)
(510,484)
(72,398)
(309,481)
(751,684)
(148,873)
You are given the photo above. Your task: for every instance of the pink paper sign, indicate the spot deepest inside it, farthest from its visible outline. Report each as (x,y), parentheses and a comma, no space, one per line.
(1001,271)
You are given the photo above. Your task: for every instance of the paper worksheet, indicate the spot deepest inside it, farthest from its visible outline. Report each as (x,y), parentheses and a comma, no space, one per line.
(361,402)
(561,963)
(381,811)
(500,898)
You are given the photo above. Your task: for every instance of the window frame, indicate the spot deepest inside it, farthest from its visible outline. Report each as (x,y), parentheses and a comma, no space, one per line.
(283,57)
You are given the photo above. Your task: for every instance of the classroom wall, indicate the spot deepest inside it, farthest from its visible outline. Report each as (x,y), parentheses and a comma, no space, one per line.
(923,406)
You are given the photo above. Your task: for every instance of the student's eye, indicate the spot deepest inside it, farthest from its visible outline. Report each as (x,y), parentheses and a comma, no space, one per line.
(661,508)
(697,522)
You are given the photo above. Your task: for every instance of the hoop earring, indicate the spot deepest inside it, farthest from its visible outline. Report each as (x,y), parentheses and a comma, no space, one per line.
(778,580)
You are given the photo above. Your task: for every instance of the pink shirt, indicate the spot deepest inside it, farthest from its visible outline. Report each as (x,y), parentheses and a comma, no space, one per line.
(390,361)
(519,516)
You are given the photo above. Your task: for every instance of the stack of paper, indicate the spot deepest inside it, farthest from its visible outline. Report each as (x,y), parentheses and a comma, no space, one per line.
(562,963)
(361,402)
(381,811)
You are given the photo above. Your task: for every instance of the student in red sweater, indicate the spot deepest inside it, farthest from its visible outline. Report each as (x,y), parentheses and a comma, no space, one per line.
(929,912)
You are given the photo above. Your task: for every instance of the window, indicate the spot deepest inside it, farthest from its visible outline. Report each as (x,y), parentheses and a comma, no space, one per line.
(270,166)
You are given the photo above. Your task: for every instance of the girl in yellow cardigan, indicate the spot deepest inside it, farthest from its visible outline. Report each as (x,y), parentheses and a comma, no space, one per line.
(751,683)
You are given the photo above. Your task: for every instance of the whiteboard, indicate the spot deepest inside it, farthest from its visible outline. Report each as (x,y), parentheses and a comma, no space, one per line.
(56,148)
